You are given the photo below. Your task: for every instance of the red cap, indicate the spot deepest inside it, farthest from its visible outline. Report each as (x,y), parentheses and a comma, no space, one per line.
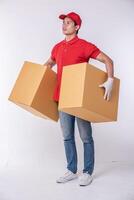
(74,16)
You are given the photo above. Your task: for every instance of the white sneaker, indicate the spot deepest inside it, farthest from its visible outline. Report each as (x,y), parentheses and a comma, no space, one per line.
(85,179)
(68,176)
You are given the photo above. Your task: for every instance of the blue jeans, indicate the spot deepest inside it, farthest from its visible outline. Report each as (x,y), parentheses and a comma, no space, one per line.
(67,123)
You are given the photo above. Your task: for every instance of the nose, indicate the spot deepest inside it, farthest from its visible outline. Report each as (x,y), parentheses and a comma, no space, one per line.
(64,25)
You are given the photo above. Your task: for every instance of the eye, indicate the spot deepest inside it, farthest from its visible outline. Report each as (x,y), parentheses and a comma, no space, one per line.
(66,22)
(63,22)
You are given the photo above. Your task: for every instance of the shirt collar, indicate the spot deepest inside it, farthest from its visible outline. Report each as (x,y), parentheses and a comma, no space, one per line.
(71,41)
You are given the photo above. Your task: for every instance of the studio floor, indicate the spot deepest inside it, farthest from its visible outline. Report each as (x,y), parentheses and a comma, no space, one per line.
(112,181)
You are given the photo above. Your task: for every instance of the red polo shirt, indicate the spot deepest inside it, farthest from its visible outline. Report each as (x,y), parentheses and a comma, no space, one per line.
(71,52)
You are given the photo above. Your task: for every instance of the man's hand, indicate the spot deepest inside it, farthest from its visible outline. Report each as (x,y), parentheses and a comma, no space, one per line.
(50,62)
(110,71)
(108,85)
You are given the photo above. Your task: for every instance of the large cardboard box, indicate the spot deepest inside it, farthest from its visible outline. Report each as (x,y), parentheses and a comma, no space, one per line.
(33,90)
(81,96)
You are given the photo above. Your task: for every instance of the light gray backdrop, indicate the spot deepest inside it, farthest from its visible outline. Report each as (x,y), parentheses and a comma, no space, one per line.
(28,31)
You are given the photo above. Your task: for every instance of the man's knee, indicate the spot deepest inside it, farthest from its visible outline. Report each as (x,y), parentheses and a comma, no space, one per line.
(86,139)
(68,137)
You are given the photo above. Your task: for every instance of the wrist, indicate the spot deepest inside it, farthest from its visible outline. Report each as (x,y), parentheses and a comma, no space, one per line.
(110,79)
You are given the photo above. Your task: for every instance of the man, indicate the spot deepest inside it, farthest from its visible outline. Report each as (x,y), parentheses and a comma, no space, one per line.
(73,50)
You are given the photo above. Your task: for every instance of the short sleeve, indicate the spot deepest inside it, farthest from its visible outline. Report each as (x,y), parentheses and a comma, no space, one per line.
(53,53)
(91,50)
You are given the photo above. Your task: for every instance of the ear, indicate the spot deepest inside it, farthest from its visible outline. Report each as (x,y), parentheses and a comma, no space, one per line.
(77,27)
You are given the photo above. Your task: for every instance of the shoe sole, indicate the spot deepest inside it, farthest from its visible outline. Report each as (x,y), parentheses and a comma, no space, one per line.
(67,180)
(86,184)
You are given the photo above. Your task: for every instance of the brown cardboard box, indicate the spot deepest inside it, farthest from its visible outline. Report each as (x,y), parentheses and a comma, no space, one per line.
(81,96)
(34,90)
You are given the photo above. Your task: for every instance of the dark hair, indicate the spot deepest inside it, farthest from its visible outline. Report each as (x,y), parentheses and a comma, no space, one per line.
(75,25)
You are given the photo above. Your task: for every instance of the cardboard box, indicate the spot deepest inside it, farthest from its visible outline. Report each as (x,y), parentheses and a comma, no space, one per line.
(33,90)
(81,96)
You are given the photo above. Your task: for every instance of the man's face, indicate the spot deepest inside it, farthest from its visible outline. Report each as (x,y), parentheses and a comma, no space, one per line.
(69,27)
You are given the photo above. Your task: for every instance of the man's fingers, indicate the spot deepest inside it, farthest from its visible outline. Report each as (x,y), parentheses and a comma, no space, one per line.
(102,85)
(109,96)
(105,95)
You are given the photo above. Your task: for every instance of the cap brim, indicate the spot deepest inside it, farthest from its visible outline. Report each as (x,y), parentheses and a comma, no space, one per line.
(62,16)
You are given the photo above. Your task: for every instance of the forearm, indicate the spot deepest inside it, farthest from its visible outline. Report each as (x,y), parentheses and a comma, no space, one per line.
(109,68)
(102,57)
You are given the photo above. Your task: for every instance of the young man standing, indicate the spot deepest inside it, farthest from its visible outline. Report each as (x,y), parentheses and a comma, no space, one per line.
(73,50)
